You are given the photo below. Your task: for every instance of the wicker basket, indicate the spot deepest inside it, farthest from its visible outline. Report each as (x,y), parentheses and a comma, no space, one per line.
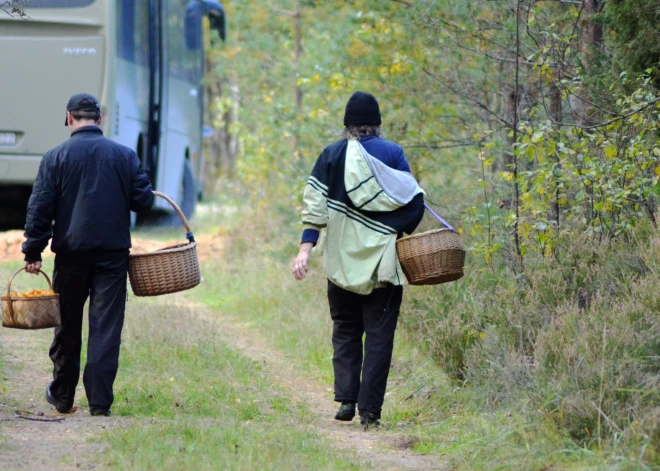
(39,312)
(167,270)
(432,257)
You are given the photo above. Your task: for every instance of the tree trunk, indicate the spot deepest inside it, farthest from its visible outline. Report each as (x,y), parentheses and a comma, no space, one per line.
(555,114)
(591,44)
(296,75)
(220,112)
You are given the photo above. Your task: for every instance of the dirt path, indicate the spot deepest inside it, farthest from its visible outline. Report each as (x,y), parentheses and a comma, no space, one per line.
(34,444)
(380,448)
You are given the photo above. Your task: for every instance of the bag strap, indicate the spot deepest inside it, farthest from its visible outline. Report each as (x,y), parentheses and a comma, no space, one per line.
(439,218)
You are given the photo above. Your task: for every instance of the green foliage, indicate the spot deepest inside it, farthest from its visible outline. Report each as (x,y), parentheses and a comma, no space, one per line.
(605,180)
(634,26)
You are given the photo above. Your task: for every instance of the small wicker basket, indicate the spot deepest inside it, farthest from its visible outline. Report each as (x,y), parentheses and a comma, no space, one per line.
(168,270)
(432,257)
(39,312)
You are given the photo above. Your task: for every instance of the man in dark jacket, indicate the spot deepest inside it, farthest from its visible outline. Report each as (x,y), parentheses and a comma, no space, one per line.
(88,185)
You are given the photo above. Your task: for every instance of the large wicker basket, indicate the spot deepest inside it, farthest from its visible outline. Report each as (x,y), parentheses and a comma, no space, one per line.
(168,270)
(38,312)
(432,257)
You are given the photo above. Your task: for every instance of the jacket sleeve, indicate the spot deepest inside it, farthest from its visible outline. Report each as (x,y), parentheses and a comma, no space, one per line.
(315,201)
(40,212)
(142,196)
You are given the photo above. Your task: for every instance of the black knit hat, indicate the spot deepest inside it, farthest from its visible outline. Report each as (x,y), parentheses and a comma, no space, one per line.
(362,108)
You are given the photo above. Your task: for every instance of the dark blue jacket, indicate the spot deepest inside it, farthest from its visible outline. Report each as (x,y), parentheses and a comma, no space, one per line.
(88,185)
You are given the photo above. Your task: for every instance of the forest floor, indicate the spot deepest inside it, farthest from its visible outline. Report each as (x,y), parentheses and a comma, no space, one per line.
(34,436)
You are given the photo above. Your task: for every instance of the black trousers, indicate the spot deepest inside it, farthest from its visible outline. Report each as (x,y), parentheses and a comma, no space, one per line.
(353,316)
(103,280)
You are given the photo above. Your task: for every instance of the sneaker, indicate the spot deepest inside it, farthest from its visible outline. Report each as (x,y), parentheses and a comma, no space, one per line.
(61,407)
(367,419)
(346,411)
(99,412)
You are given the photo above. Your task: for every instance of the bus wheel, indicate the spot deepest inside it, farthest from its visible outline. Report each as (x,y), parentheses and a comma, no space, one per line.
(188,191)
(186,200)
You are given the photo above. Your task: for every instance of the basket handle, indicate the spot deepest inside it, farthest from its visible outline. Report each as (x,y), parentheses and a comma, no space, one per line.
(189,234)
(9,301)
(439,218)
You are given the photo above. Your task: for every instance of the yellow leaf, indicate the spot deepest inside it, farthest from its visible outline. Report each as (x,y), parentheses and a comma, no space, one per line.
(508,176)
(657,170)
(610,151)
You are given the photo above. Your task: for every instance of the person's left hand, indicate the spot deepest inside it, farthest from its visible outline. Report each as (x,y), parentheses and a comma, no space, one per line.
(33,267)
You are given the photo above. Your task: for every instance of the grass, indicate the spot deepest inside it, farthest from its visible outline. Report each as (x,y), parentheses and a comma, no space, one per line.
(197,403)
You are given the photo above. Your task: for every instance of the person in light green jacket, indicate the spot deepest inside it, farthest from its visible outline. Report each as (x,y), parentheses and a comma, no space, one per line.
(362,193)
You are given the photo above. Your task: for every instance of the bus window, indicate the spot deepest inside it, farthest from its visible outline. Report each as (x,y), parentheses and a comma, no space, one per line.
(184,63)
(133,31)
(58,3)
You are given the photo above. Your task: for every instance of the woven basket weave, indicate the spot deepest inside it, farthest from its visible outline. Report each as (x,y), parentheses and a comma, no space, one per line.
(432,257)
(168,270)
(39,312)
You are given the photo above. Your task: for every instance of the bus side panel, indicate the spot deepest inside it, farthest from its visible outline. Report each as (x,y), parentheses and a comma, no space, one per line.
(181,107)
(131,103)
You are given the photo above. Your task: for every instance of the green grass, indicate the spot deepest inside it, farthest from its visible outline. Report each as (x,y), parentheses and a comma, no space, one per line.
(198,404)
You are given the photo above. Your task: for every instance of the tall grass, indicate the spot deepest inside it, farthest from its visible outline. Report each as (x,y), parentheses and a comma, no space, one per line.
(575,342)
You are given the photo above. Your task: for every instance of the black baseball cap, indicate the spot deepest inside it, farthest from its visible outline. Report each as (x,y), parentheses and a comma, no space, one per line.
(82,101)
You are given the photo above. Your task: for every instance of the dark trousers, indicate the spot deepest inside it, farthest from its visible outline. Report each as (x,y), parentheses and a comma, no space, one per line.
(103,280)
(353,316)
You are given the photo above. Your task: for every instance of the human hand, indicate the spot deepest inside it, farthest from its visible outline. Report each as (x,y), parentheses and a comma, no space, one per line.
(32,267)
(300,263)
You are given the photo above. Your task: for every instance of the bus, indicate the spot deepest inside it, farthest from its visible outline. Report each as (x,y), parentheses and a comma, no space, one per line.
(143,60)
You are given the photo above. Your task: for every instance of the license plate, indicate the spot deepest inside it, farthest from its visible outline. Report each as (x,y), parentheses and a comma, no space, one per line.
(7,138)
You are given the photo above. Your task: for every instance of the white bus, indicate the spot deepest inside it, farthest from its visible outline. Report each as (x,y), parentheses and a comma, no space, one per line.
(143,60)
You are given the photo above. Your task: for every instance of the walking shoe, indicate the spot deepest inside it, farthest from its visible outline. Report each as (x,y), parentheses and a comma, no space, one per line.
(346,411)
(59,406)
(367,419)
(99,412)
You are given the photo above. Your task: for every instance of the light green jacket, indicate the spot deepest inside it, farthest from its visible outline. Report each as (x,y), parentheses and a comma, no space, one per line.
(359,253)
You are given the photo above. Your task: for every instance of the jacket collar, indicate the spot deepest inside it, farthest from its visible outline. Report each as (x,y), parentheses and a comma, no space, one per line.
(87,129)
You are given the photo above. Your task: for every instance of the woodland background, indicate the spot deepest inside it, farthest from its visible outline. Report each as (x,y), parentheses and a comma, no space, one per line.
(533,126)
